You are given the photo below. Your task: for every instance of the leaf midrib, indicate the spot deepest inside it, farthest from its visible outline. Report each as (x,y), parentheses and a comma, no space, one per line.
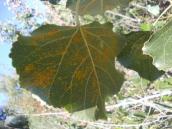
(61,60)
(92,62)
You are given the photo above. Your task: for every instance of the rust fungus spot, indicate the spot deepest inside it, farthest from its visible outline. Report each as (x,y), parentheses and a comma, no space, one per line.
(29,68)
(52,33)
(37,39)
(78,57)
(44,78)
(77,38)
(45,36)
(80,75)
(107,54)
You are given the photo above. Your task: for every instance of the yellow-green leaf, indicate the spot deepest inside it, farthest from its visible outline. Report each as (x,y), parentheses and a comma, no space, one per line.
(72,67)
(159,48)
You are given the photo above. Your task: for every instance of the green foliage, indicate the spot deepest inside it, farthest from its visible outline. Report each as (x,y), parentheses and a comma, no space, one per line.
(146,27)
(163,84)
(159,48)
(74,64)
(73,67)
(132,56)
(94,7)
(167,98)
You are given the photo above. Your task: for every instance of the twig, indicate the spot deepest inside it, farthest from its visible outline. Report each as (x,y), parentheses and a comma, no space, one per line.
(163,13)
(142,100)
(108,125)
(66,114)
(123,16)
(129,125)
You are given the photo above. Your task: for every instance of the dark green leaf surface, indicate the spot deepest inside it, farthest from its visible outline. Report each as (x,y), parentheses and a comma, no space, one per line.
(132,56)
(74,66)
(94,7)
(159,48)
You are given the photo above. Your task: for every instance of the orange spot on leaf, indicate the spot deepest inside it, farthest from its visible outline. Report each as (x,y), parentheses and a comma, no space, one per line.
(80,75)
(29,68)
(43,78)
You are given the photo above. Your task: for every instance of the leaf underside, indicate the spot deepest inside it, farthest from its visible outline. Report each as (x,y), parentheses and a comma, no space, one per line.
(94,7)
(133,58)
(159,48)
(72,67)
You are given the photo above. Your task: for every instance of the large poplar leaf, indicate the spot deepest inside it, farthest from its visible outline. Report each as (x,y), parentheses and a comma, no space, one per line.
(72,67)
(133,58)
(159,48)
(94,7)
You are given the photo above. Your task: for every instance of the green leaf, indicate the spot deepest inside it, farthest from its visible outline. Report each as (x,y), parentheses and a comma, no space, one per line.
(94,7)
(87,114)
(132,56)
(163,84)
(72,67)
(146,27)
(159,48)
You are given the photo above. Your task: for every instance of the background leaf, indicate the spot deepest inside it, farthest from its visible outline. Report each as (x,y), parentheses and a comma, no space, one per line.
(87,114)
(94,7)
(132,56)
(159,48)
(72,67)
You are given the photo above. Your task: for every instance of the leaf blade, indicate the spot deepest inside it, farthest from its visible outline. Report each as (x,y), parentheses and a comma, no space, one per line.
(73,64)
(159,48)
(133,58)
(94,7)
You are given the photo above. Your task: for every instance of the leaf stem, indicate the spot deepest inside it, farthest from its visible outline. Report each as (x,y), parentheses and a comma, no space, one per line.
(77,14)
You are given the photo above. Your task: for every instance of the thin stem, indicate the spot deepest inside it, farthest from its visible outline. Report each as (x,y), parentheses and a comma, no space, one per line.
(163,13)
(77,14)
